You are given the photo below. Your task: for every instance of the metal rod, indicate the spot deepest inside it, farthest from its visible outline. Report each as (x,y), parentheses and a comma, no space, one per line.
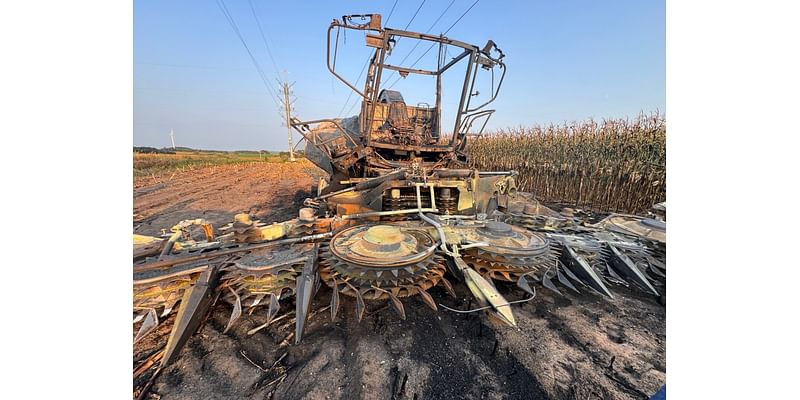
(497,173)
(438,127)
(151,280)
(184,260)
(409,70)
(368,183)
(331,194)
(271,266)
(437,225)
(170,244)
(456,217)
(496,90)
(474,244)
(333,69)
(385,213)
(465,91)
(488,307)
(453,61)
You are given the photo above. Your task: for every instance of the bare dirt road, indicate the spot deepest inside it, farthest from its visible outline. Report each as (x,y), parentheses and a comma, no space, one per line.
(578,346)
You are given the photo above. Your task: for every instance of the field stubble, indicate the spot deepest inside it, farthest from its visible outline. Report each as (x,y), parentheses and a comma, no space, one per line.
(149,164)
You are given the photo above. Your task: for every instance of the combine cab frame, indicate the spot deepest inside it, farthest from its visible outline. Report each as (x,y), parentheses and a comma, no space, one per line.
(380,142)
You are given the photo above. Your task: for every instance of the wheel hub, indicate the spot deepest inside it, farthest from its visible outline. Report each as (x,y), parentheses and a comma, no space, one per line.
(509,251)
(373,259)
(382,246)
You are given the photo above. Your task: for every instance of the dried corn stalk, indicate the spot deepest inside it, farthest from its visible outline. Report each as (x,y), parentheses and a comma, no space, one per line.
(613,165)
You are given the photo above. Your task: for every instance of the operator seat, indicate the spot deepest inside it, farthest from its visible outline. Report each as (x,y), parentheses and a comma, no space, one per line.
(397,120)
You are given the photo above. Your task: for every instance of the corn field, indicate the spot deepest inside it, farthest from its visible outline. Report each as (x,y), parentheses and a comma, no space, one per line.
(614,165)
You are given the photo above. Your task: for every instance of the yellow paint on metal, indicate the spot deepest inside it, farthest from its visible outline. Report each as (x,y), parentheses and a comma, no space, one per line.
(144,239)
(486,293)
(383,241)
(491,295)
(242,218)
(275,231)
(383,234)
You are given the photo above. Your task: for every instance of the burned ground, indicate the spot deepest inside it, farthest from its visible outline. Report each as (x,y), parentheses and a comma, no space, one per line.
(576,346)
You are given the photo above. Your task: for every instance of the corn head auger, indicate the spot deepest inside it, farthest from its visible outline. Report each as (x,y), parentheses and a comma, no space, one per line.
(401,213)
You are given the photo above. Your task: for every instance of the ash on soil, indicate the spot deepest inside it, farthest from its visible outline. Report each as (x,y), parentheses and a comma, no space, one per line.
(575,347)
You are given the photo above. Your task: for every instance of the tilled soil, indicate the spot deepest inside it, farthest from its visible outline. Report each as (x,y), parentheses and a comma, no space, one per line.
(577,346)
(269,191)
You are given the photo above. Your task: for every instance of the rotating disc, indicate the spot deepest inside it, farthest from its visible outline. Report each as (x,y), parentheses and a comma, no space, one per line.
(375,260)
(508,251)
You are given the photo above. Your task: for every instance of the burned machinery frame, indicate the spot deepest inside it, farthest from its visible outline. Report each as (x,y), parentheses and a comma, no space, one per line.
(382,39)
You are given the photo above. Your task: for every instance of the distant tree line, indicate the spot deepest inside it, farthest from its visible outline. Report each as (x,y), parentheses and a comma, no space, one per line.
(152,150)
(169,150)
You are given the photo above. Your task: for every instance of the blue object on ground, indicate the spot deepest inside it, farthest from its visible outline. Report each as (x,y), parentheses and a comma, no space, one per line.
(661,394)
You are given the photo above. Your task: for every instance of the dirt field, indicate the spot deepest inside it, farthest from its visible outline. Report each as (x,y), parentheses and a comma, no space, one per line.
(576,347)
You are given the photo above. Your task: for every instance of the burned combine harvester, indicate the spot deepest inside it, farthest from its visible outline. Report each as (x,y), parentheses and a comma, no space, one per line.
(401,212)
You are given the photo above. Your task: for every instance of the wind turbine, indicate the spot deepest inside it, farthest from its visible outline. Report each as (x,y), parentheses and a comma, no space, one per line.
(172,136)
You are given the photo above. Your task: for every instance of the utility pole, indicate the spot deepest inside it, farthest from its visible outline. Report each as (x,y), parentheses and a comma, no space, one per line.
(172,136)
(287,108)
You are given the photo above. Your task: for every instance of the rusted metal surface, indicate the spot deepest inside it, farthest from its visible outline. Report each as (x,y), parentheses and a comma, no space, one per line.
(195,304)
(389,261)
(381,262)
(388,130)
(632,225)
(263,278)
(399,207)
(306,288)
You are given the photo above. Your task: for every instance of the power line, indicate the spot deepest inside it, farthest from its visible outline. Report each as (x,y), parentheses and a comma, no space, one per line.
(270,90)
(419,41)
(390,13)
(351,92)
(232,22)
(355,102)
(433,44)
(264,38)
(409,24)
(462,16)
(440,16)
(350,95)
(415,15)
(351,107)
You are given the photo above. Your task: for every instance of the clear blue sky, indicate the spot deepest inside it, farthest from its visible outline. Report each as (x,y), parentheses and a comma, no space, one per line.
(567,60)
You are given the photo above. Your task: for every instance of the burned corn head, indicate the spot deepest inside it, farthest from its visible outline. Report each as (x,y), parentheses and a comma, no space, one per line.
(399,214)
